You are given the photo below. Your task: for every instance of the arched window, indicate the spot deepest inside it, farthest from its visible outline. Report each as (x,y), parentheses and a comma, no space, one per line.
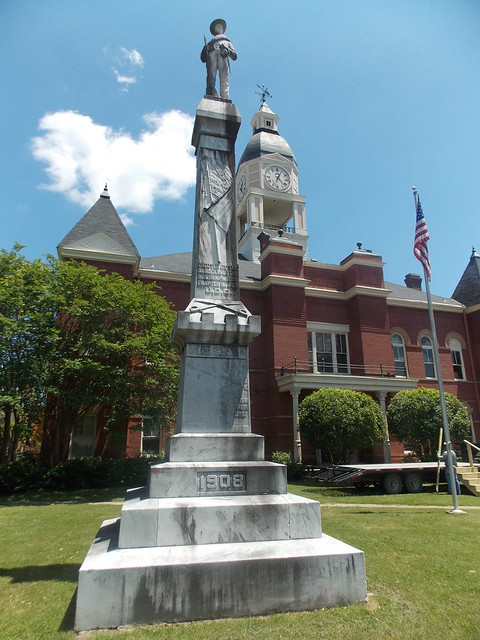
(398,346)
(428,361)
(457,358)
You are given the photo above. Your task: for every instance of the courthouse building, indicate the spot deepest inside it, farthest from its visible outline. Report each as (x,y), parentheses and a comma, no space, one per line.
(323,325)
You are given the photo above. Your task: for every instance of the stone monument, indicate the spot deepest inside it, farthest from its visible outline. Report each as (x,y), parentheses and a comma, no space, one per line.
(215,534)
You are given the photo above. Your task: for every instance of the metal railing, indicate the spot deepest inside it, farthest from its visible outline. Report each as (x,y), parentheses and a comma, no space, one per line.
(324,367)
(471,446)
(270,227)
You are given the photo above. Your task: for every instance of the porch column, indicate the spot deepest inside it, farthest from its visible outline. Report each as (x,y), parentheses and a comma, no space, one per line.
(297,443)
(387,456)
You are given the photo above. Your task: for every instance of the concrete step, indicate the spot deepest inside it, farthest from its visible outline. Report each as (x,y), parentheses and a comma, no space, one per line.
(214,447)
(196,521)
(202,479)
(174,584)
(470,479)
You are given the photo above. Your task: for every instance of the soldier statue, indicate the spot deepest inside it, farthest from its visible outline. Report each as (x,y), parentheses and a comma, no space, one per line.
(216,54)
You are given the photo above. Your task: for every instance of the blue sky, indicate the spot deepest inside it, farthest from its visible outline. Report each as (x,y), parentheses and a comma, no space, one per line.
(373,96)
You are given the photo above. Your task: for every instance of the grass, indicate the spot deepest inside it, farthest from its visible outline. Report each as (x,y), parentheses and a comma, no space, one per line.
(422,570)
(351,495)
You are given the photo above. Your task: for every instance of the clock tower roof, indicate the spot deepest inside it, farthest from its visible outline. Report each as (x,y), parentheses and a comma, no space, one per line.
(266,139)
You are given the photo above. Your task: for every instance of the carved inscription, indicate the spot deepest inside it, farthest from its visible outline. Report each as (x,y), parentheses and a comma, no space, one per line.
(221,482)
(217,351)
(218,281)
(243,405)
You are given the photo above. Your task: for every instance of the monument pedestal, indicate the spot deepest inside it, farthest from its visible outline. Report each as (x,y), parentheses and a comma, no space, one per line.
(194,582)
(215,534)
(214,538)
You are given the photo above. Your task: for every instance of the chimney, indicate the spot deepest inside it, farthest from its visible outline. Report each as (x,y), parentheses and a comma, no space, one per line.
(413,281)
(264,239)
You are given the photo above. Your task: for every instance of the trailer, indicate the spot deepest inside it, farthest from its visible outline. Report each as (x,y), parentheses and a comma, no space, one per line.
(392,478)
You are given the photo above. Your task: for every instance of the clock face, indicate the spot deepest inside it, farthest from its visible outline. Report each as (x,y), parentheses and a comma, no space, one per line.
(241,188)
(277,178)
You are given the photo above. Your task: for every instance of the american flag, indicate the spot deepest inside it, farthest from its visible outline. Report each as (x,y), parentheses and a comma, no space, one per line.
(420,248)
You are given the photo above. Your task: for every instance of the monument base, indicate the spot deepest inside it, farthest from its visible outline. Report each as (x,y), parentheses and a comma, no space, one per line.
(196,582)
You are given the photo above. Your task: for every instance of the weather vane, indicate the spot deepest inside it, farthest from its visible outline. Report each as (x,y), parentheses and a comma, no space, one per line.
(264,92)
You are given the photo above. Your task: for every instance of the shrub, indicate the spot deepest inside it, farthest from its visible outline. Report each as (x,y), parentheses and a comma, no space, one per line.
(416,417)
(23,474)
(80,473)
(340,422)
(294,469)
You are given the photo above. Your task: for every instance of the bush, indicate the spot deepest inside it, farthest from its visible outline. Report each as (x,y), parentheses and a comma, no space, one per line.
(340,422)
(294,469)
(416,417)
(23,474)
(80,473)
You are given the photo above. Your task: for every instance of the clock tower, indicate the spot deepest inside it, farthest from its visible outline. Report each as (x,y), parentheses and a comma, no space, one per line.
(267,188)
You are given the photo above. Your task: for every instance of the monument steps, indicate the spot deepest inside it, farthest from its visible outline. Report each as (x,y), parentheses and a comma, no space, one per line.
(197,521)
(195,582)
(191,479)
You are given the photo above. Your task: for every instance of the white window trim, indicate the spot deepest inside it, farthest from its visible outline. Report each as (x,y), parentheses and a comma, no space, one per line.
(398,333)
(328,327)
(333,330)
(459,349)
(435,374)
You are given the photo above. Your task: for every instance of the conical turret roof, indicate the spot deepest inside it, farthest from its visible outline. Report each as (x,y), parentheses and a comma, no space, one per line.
(468,289)
(100,230)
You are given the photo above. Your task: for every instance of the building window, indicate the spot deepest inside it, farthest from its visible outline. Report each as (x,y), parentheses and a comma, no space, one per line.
(152,436)
(83,437)
(328,352)
(457,359)
(398,346)
(268,123)
(428,361)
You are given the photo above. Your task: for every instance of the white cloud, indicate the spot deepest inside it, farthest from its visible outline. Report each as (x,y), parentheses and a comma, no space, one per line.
(133,56)
(125,81)
(80,155)
(127,220)
(128,60)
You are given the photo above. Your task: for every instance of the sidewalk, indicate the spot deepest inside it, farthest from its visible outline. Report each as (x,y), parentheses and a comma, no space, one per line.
(357,505)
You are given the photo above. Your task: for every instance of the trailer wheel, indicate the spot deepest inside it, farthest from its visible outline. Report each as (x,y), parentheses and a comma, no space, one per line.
(392,483)
(413,483)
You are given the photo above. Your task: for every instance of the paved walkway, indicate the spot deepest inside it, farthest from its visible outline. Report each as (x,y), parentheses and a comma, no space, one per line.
(356,505)
(324,505)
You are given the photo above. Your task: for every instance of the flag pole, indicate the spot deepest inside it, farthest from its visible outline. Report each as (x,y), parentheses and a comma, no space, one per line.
(436,358)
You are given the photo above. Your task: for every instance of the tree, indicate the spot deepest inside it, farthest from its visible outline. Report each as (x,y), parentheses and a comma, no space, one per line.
(112,350)
(340,422)
(26,334)
(416,417)
(74,340)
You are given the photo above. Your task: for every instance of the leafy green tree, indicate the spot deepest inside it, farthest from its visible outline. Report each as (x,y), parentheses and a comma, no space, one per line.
(74,340)
(26,334)
(340,422)
(416,417)
(112,350)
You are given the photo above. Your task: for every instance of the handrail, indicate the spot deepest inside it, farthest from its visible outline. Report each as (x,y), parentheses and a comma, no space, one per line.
(269,227)
(470,445)
(346,369)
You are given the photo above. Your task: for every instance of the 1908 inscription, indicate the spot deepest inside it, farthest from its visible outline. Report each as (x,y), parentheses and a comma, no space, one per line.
(221,482)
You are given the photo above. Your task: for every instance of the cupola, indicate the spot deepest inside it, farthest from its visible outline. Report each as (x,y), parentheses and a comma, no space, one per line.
(267,188)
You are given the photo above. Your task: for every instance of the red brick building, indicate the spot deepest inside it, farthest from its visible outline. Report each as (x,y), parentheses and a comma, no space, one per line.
(323,325)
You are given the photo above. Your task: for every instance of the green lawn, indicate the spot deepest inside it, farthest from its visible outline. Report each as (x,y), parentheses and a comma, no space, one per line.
(423,569)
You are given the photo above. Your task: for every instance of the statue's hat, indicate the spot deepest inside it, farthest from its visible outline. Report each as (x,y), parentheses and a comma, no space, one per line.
(214,23)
